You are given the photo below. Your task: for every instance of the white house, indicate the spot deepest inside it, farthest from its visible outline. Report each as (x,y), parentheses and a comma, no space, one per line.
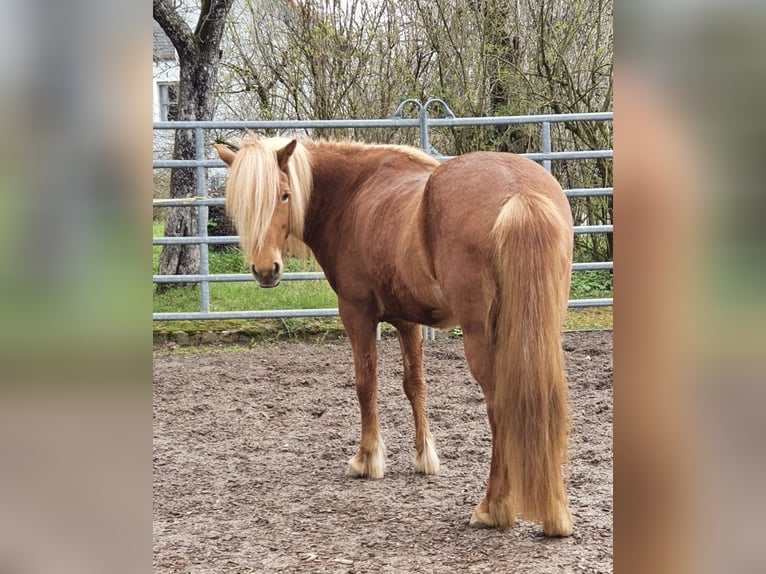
(165,76)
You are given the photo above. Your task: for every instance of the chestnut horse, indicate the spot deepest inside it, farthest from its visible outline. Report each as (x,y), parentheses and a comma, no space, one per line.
(483,241)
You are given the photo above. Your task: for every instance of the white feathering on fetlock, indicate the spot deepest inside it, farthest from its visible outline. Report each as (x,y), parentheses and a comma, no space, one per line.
(372,465)
(427,461)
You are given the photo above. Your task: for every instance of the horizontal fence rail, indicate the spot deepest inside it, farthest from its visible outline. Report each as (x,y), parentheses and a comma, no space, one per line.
(201,164)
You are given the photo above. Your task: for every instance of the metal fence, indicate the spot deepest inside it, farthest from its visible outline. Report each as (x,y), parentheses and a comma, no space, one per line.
(423,122)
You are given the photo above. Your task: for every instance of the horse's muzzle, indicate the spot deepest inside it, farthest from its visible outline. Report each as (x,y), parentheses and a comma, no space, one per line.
(271,278)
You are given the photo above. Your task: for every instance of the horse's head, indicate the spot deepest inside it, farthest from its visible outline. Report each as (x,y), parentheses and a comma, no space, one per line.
(258,198)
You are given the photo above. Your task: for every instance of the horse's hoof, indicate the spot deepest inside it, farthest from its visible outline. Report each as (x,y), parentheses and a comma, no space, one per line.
(427,461)
(561,527)
(480,519)
(558,530)
(504,517)
(478,522)
(371,465)
(361,470)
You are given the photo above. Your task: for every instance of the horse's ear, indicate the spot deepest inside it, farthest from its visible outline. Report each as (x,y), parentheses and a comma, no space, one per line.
(225,154)
(283,155)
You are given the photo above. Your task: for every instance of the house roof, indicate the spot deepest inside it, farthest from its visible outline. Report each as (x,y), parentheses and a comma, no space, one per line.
(162,46)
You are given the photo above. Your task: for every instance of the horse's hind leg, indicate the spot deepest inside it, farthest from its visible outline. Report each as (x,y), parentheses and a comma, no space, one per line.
(497,508)
(370,459)
(411,342)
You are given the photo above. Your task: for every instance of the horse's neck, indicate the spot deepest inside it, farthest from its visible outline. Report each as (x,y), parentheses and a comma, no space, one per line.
(336,168)
(342,175)
(341,170)
(330,194)
(338,174)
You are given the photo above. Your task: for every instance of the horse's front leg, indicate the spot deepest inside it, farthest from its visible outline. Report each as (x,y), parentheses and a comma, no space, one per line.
(370,459)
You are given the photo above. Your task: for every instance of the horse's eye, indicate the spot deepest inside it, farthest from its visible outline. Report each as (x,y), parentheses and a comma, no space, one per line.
(285,196)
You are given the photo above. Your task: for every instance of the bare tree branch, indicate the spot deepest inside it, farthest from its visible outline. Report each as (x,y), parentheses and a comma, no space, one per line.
(175,27)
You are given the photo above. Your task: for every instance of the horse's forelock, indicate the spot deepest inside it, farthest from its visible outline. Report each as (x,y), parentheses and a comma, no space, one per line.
(252,185)
(250,194)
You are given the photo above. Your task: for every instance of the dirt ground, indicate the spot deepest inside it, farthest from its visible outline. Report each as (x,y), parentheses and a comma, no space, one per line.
(250,451)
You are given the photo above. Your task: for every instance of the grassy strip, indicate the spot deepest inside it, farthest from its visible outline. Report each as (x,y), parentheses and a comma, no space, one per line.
(190,336)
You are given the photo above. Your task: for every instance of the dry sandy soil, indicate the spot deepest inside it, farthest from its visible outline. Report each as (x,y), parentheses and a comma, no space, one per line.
(250,450)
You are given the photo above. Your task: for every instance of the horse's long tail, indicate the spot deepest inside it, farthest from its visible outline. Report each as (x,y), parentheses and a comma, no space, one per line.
(530,404)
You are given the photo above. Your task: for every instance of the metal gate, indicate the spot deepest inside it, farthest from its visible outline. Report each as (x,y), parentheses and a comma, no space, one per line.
(423,122)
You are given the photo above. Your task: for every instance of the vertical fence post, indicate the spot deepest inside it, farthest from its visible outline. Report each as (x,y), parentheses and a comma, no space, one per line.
(425,145)
(202,217)
(547,148)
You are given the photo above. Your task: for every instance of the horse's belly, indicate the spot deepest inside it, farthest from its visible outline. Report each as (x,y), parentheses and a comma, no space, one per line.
(425,305)
(431,317)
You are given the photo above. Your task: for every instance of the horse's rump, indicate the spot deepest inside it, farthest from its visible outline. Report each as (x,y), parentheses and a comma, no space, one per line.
(462,201)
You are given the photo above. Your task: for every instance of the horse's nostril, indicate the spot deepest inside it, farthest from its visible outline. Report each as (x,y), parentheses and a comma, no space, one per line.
(253,269)
(277,267)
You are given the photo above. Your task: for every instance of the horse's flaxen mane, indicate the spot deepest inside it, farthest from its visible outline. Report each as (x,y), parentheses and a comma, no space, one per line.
(253,184)
(415,153)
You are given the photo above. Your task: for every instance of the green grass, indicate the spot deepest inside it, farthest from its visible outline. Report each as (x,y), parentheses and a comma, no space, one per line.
(591,284)
(315,295)
(589,319)
(248,296)
(243,295)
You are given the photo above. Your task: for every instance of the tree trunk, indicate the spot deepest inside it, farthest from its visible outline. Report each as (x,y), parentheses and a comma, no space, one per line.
(195,101)
(181,221)
(199,57)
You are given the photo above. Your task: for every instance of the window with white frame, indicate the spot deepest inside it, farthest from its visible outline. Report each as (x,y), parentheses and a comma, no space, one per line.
(168,95)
